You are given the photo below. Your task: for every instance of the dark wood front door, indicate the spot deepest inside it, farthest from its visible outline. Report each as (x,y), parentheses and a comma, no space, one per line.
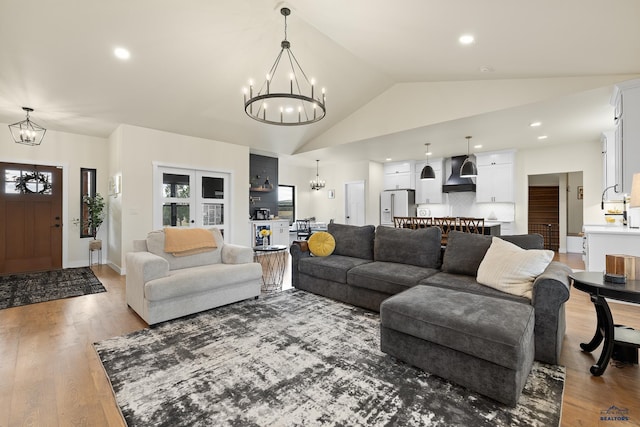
(30,218)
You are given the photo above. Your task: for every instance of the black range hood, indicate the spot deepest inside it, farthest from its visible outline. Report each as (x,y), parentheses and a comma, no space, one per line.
(455,183)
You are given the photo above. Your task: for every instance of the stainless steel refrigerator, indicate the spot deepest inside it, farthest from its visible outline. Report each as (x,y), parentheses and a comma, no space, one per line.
(396,203)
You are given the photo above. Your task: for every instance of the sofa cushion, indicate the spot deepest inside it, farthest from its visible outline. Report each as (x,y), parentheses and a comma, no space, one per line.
(200,279)
(321,244)
(353,241)
(492,329)
(387,277)
(464,252)
(155,245)
(526,241)
(415,247)
(461,282)
(334,267)
(511,269)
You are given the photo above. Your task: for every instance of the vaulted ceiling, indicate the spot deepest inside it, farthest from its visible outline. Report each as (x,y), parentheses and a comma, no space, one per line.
(556,61)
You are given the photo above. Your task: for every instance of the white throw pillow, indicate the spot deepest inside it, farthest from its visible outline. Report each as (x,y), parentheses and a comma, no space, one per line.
(511,269)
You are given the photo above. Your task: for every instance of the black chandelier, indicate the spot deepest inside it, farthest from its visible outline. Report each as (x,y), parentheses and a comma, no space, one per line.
(318,184)
(282,102)
(27,132)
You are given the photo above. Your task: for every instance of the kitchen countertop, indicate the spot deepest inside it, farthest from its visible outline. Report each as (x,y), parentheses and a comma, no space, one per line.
(610,229)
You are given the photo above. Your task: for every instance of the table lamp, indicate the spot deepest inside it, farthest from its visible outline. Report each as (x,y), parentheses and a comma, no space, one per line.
(633,217)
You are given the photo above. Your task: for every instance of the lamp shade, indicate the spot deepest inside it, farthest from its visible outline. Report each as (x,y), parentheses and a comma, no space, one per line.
(427,173)
(634,200)
(468,169)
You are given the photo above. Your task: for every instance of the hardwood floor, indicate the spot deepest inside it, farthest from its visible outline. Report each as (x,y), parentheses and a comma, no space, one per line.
(52,376)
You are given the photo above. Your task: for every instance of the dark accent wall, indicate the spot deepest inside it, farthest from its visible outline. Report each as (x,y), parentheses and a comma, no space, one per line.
(262,168)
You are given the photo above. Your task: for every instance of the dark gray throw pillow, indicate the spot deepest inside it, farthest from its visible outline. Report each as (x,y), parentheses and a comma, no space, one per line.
(464,252)
(352,240)
(415,247)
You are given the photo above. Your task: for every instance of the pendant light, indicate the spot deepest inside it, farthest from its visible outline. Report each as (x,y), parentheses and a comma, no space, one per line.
(27,132)
(427,173)
(468,169)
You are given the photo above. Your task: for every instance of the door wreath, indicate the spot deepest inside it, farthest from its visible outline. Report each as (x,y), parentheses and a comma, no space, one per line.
(42,184)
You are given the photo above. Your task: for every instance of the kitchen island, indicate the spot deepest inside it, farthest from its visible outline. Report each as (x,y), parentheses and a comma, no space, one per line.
(602,240)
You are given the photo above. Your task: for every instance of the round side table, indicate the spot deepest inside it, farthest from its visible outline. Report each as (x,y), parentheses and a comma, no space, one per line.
(273,259)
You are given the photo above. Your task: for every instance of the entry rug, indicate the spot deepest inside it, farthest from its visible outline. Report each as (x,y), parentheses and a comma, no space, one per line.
(30,288)
(297,359)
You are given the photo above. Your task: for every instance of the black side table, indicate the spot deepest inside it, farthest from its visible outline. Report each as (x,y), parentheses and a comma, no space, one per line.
(613,335)
(273,259)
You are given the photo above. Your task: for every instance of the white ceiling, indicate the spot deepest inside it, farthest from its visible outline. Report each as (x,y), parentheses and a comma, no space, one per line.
(191,59)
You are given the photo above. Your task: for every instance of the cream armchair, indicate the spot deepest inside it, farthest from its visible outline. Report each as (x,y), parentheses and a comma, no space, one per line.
(161,286)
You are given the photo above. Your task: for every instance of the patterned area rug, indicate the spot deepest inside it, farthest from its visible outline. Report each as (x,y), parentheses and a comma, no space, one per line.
(297,359)
(30,288)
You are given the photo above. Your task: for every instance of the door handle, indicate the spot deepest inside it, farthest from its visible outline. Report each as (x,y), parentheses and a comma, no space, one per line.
(57,225)
(192,221)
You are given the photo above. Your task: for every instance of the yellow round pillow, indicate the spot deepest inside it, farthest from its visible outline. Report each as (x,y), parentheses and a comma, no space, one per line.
(321,244)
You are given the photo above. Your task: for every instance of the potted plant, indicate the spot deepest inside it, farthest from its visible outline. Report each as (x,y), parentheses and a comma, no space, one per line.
(96,213)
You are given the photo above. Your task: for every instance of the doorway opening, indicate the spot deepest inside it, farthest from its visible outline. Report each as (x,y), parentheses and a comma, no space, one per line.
(555,210)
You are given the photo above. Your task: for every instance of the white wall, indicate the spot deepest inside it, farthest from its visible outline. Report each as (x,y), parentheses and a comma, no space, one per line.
(310,203)
(560,159)
(71,152)
(298,176)
(574,204)
(139,148)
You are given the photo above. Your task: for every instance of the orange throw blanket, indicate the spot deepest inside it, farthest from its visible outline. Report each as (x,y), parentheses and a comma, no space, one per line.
(188,241)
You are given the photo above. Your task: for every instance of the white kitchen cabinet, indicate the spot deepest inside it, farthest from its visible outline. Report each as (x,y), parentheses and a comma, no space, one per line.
(429,191)
(626,100)
(602,240)
(279,231)
(610,159)
(398,175)
(494,183)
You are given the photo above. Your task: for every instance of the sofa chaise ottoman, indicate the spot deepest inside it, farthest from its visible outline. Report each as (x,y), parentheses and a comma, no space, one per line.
(482,343)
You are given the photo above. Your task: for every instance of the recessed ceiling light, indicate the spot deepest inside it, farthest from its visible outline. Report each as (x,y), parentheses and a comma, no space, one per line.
(543,137)
(466,39)
(477,146)
(121,53)
(535,124)
(486,69)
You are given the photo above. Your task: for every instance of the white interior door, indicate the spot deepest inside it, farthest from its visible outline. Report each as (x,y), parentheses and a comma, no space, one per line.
(192,198)
(176,202)
(212,200)
(354,203)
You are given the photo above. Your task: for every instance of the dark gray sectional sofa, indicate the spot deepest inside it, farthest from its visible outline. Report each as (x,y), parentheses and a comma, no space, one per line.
(369,265)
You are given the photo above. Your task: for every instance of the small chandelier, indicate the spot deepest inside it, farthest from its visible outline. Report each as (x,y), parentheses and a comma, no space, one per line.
(317,184)
(27,132)
(468,168)
(282,102)
(427,173)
